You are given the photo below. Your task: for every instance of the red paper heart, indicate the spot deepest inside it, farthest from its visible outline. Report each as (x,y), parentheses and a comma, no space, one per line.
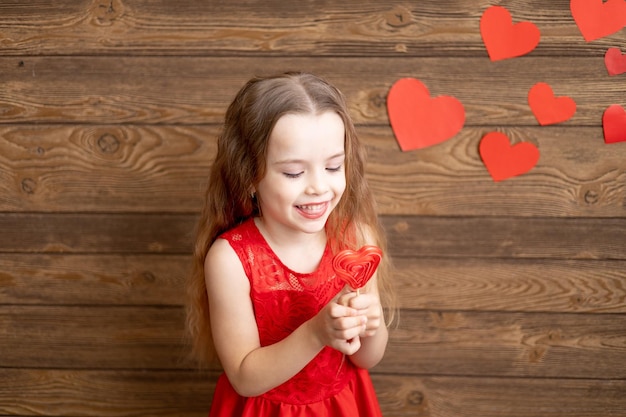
(356,268)
(547,108)
(502,38)
(597,18)
(615,61)
(614,124)
(419,121)
(504,160)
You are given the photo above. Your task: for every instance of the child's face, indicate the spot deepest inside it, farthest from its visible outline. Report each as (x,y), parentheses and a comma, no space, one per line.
(305,176)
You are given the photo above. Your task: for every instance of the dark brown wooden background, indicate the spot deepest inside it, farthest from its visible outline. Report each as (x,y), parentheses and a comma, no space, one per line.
(513,294)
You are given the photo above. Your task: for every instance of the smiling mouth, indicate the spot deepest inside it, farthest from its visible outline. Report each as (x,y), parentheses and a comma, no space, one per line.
(313,209)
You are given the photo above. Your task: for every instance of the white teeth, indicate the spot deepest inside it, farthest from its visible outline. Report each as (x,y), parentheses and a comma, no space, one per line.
(312,207)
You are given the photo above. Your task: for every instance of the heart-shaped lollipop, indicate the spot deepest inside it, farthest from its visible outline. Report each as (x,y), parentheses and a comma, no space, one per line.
(357,267)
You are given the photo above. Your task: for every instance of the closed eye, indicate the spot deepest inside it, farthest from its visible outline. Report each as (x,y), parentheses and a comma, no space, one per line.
(291,175)
(334,169)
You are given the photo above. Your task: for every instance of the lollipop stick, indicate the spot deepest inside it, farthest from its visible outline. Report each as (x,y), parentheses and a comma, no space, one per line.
(343,359)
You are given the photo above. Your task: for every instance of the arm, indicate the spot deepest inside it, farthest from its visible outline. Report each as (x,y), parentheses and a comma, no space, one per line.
(252,369)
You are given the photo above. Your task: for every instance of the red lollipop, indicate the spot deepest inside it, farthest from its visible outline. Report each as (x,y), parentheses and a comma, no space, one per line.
(357,267)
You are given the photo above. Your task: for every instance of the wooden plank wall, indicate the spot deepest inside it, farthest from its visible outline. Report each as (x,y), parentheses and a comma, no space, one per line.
(513,294)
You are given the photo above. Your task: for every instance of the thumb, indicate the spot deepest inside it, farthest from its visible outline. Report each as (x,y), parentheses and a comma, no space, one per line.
(345,295)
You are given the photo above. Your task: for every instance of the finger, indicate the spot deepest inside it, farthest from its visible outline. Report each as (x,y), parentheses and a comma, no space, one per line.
(345,323)
(350,346)
(345,298)
(368,333)
(354,344)
(348,332)
(338,310)
(362,301)
(373,324)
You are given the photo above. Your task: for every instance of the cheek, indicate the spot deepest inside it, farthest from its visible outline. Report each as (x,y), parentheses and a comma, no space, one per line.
(340,186)
(283,190)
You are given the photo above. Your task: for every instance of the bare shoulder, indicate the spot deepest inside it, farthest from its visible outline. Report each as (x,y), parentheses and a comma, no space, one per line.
(219,251)
(223,269)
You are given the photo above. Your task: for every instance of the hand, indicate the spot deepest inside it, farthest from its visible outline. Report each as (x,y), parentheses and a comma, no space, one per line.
(339,327)
(367,304)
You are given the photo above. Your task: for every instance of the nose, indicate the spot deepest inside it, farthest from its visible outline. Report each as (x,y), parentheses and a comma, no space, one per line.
(316,183)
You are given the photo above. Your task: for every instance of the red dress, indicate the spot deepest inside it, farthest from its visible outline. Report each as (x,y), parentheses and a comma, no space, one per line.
(330,385)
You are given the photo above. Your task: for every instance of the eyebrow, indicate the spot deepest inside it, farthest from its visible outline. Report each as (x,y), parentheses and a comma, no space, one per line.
(299,161)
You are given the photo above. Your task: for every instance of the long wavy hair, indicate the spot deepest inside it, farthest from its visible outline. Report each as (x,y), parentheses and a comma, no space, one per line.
(240,164)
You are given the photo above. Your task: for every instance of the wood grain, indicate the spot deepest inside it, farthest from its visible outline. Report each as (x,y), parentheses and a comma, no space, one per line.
(51,392)
(410,236)
(349,28)
(28,392)
(93,337)
(512,294)
(104,168)
(130,168)
(508,344)
(425,343)
(197,90)
(537,238)
(97,279)
(98,233)
(495,397)
(531,285)
(439,284)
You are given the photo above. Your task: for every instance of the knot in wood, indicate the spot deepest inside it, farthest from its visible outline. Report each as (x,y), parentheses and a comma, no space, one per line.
(415,398)
(106,11)
(377,99)
(29,185)
(148,276)
(401,227)
(576,300)
(398,17)
(537,354)
(591,197)
(108,143)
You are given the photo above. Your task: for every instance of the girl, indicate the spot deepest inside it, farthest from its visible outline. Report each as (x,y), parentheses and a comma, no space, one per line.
(286,192)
